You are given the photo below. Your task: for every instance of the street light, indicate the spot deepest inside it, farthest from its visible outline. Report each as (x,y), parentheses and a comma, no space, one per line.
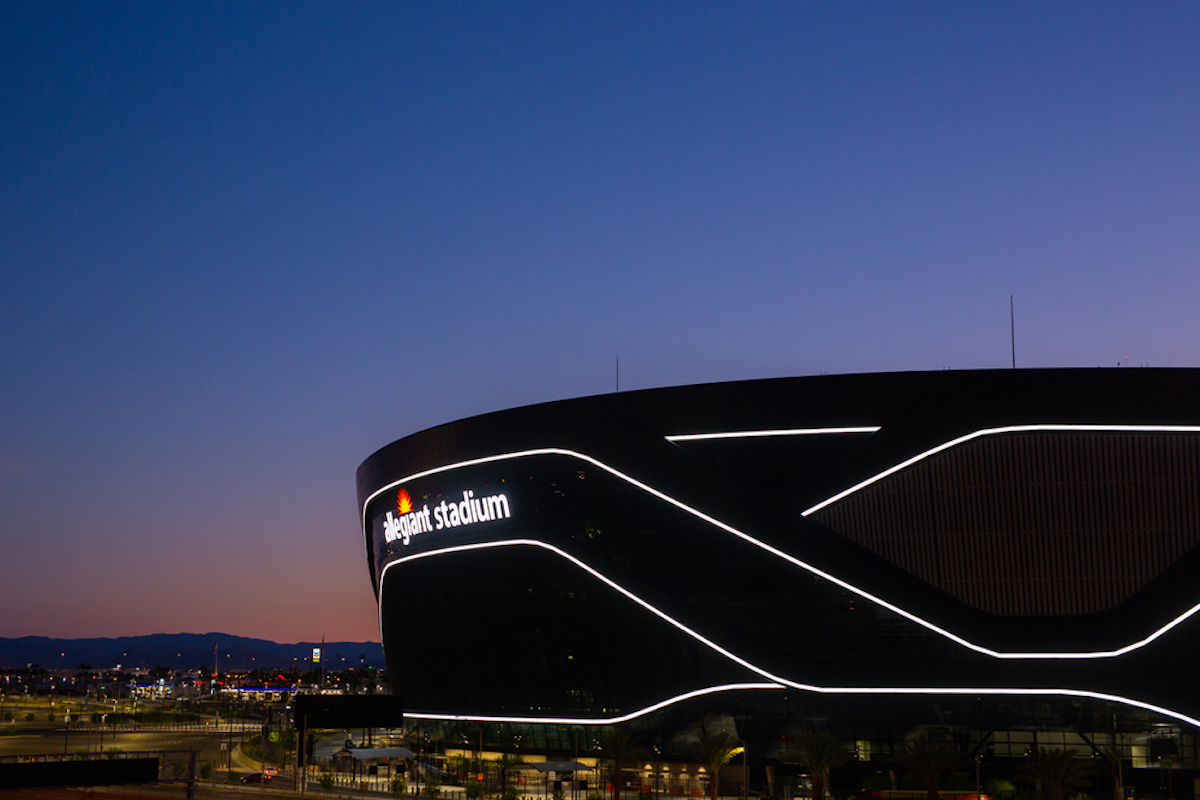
(657,767)
(301,776)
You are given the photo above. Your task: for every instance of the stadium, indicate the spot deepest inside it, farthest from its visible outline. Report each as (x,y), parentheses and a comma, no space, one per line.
(1010,555)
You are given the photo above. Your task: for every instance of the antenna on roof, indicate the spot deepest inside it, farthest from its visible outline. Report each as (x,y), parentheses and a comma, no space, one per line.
(618,373)
(1012,330)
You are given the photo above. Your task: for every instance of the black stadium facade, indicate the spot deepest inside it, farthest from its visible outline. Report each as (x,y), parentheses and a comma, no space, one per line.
(995,551)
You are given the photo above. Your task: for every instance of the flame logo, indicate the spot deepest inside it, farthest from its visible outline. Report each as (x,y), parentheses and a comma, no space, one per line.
(403,502)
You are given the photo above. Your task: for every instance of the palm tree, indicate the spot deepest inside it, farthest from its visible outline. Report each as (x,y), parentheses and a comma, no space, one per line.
(620,747)
(818,753)
(715,752)
(1058,772)
(932,759)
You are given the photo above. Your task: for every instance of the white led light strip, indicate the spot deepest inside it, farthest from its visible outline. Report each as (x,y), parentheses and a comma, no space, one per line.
(809,567)
(776,682)
(995,431)
(693,437)
(597,720)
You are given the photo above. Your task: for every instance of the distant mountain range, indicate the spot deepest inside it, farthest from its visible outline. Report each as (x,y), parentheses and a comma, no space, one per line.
(182,651)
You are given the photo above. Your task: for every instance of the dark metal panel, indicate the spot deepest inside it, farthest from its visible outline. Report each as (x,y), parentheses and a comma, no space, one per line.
(1035,524)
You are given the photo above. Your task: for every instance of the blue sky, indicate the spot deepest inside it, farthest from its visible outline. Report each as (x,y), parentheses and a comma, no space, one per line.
(244,245)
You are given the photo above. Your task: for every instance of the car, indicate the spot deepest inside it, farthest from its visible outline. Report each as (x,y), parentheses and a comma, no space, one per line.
(270,772)
(256,777)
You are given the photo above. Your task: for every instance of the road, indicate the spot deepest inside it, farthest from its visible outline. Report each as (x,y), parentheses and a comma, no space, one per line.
(32,741)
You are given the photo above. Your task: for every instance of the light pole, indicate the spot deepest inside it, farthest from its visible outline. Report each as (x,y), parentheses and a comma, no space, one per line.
(301,776)
(576,731)
(745,770)
(657,767)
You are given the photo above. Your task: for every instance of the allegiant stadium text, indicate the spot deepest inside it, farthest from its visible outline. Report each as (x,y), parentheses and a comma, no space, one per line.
(472,509)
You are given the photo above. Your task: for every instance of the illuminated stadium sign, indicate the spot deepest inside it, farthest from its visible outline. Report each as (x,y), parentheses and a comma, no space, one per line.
(406,522)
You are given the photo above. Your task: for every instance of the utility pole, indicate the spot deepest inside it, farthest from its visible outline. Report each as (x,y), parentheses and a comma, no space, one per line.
(618,373)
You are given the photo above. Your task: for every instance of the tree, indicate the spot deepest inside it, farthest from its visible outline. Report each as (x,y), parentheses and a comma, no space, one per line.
(818,753)
(932,758)
(999,787)
(715,752)
(1057,772)
(458,765)
(506,762)
(398,784)
(621,748)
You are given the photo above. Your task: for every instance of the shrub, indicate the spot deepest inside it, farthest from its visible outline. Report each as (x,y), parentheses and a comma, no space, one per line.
(474,789)
(999,787)
(50,717)
(326,781)
(433,787)
(206,769)
(8,717)
(29,717)
(398,785)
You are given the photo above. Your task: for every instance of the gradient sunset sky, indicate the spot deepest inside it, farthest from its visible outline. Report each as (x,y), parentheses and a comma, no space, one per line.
(244,245)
